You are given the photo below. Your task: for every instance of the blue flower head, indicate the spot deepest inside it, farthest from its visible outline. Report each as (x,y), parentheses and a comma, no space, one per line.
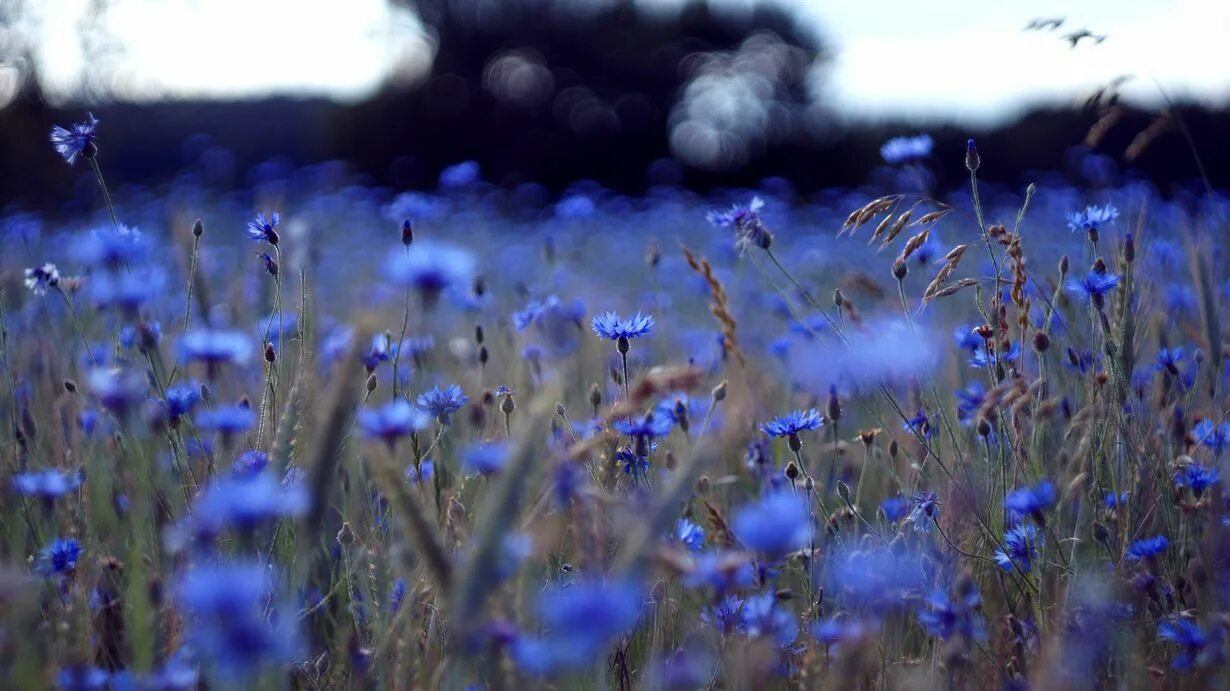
(431,268)
(244,503)
(118,389)
(48,484)
(41,278)
(1020,548)
(228,622)
(77,141)
(946,616)
(485,459)
(895,508)
(1197,648)
(227,419)
(260,228)
(749,227)
(790,424)
(250,464)
(214,347)
(59,558)
(775,524)
(181,398)
(442,402)
(1092,218)
(393,420)
(1197,477)
(1094,286)
(612,328)
(690,535)
(1148,548)
(1212,436)
(580,621)
(1168,359)
(1032,501)
(111,248)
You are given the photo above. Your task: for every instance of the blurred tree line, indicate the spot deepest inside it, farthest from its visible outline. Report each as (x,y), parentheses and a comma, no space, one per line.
(553,92)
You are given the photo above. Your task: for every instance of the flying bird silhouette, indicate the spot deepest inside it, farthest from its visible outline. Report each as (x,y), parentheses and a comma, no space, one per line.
(1077,36)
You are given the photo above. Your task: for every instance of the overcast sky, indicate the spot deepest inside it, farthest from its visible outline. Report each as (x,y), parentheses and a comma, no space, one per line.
(969,59)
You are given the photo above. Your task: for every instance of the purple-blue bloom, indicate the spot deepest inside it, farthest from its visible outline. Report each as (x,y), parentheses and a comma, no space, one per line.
(792,423)
(262,229)
(775,524)
(1092,218)
(59,558)
(1020,548)
(1148,548)
(1032,501)
(611,327)
(47,484)
(442,402)
(393,420)
(76,141)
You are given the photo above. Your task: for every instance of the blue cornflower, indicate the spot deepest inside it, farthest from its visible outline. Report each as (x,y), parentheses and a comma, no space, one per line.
(1197,477)
(485,459)
(926,506)
(749,228)
(644,429)
(1111,500)
(763,616)
(945,617)
(690,534)
(722,570)
(264,229)
(1168,360)
(895,508)
(78,141)
(109,247)
(580,621)
(118,389)
(227,419)
(633,462)
(1032,501)
(48,484)
(442,402)
(775,524)
(981,358)
(1092,218)
(969,400)
(906,149)
(1020,548)
(612,328)
(790,424)
(967,338)
(40,278)
(878,579)
(227,618)
(213,346)
(1148,548)
(1213,436)
(393,420)
(250,464)
(127,291)
(1197,648)
(397,594)
(920,424)
(59,558)
(245,503)
(182,398)
(1094,286)
(430,268)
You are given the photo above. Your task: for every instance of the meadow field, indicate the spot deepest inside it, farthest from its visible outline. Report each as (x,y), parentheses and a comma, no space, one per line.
(316,434)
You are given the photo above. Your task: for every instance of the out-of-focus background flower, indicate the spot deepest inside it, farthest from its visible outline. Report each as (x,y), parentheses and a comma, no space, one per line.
(631,94)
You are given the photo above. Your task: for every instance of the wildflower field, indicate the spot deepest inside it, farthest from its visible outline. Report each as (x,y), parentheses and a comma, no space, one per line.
(320,435)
